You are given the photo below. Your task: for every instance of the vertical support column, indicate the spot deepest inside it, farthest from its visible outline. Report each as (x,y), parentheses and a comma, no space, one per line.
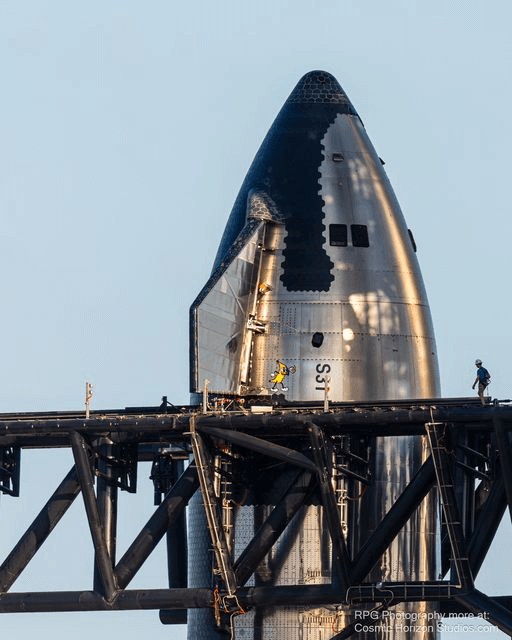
(177,540)
(103,562)
(106,498)
(177,551)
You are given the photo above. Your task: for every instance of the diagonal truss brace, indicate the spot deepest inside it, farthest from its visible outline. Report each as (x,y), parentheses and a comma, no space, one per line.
(262,446)
(44,523)
(393,521)
(167,513)
(273,526)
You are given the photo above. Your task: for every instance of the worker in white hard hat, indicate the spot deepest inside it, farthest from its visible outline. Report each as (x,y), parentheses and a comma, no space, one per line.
(483,378)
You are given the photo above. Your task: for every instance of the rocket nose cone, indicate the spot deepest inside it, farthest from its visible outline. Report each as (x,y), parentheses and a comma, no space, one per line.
(322,88)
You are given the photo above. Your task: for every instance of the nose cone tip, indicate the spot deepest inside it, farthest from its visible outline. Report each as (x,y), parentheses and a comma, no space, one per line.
(322,88)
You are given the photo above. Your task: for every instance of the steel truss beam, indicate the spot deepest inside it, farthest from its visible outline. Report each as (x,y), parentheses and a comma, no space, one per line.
(273,527)
(165,516)
(487,524)
(505,452)
(384,421)
(405,505)
(39,530)
(299,595)
(259,445)
(477,603)
(302,468)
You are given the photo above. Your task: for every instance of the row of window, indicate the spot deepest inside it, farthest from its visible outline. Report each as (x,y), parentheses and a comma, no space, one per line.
(338,235)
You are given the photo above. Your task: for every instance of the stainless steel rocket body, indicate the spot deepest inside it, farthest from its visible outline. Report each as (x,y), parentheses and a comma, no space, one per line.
(316,285)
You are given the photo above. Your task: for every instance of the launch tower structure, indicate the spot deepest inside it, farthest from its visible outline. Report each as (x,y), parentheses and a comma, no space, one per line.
(469,465)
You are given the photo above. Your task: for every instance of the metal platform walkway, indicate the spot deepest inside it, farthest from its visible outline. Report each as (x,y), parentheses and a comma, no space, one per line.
(295,446)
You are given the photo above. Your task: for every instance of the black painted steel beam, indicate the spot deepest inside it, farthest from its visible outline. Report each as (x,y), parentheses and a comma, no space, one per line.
(273,527)
(164,599)
(393,592)
(39,530)
(102,557)
(405,505)
(347,418)
(455,608)
(491,498)
(177,550)
(173,616)
(296,595)
(167,513)
(472,470)
(93,601)
(503,441)
(327,594)
(177,546)
(487,524)
(477,603)
(106,499)
(340,554)
(261,446)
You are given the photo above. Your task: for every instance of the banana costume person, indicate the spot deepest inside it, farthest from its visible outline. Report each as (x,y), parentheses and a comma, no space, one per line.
(280,374)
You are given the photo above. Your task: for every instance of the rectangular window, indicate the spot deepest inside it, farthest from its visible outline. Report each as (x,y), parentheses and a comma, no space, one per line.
(338,235)
(359,235)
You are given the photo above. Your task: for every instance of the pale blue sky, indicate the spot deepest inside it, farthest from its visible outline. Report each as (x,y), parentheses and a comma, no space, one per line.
(126,129)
